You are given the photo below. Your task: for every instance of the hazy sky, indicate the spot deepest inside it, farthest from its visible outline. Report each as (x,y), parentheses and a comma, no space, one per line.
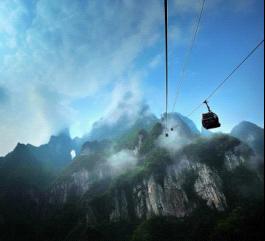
(68,63)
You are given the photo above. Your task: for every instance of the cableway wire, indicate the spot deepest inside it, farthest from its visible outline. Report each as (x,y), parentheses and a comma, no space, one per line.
(166,59)
(188,54)
(228,77)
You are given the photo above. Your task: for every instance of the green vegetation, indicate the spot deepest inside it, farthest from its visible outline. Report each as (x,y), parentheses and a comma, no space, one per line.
(198,226)
(242,187)
(241,224)
(206,225)
(149,143)
(82,162)
(58,222)
(189,178)
(131,138)
(211,151)
(23,180)
(154,163)
(154,160)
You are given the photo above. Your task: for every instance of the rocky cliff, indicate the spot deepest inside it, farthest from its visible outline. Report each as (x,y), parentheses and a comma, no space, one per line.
(161,183)
(129,180)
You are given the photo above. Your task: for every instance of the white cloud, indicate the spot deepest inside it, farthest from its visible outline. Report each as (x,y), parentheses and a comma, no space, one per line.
(175,140)
(55,52)
(122,161)
(126,99)
(60,51)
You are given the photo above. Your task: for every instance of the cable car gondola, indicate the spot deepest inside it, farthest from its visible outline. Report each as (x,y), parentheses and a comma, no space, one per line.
(173,128)
(210,120)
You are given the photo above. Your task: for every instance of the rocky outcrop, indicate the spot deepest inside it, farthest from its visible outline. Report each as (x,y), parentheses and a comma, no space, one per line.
(150,198)
(232,160)
(147,199)
(175,190)
(208,186)
(76,185)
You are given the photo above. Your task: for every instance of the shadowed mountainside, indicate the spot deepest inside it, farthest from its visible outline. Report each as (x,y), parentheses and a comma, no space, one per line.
(136,185)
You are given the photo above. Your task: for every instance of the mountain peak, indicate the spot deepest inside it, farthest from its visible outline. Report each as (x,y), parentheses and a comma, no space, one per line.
(187,126)
(62,135)
(251,134)
(244,124)
(104,130)
(19,147)
(64,132)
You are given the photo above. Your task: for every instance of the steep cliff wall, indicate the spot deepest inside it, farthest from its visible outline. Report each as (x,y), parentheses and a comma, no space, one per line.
(162,184)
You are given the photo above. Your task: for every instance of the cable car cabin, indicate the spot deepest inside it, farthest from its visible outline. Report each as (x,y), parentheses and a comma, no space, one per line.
(210,121)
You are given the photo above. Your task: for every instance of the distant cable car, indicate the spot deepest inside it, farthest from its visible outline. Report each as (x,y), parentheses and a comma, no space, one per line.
(174,127)
(210,120)
(163,120)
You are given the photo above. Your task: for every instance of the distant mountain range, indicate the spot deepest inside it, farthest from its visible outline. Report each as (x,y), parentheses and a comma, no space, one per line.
(125,181)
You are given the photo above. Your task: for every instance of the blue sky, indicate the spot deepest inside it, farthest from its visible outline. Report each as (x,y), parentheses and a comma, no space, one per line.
(69,63)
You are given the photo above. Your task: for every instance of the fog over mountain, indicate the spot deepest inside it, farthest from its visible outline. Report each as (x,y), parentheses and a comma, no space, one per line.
(86,150)
(252,135)
(64,63)
(129,174)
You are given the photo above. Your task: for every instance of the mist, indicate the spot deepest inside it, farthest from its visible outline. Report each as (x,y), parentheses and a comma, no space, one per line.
(122,161)
(176,140)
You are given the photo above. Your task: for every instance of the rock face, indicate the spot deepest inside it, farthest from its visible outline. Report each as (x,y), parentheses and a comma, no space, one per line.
(76,185)
(175,190)
(209,187)
(87,168)
(160,183)
(232,160)
(152,180)
(150,198)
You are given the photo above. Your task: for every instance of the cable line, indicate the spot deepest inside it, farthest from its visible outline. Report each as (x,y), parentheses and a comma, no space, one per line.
(228,77)
(189,52)
(166,59)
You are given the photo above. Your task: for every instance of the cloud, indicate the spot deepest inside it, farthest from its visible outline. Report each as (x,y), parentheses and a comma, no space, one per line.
(56,52)
(176,139)
(126,101)
(122,161)
(53,53)
(32,117)
(126,107)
